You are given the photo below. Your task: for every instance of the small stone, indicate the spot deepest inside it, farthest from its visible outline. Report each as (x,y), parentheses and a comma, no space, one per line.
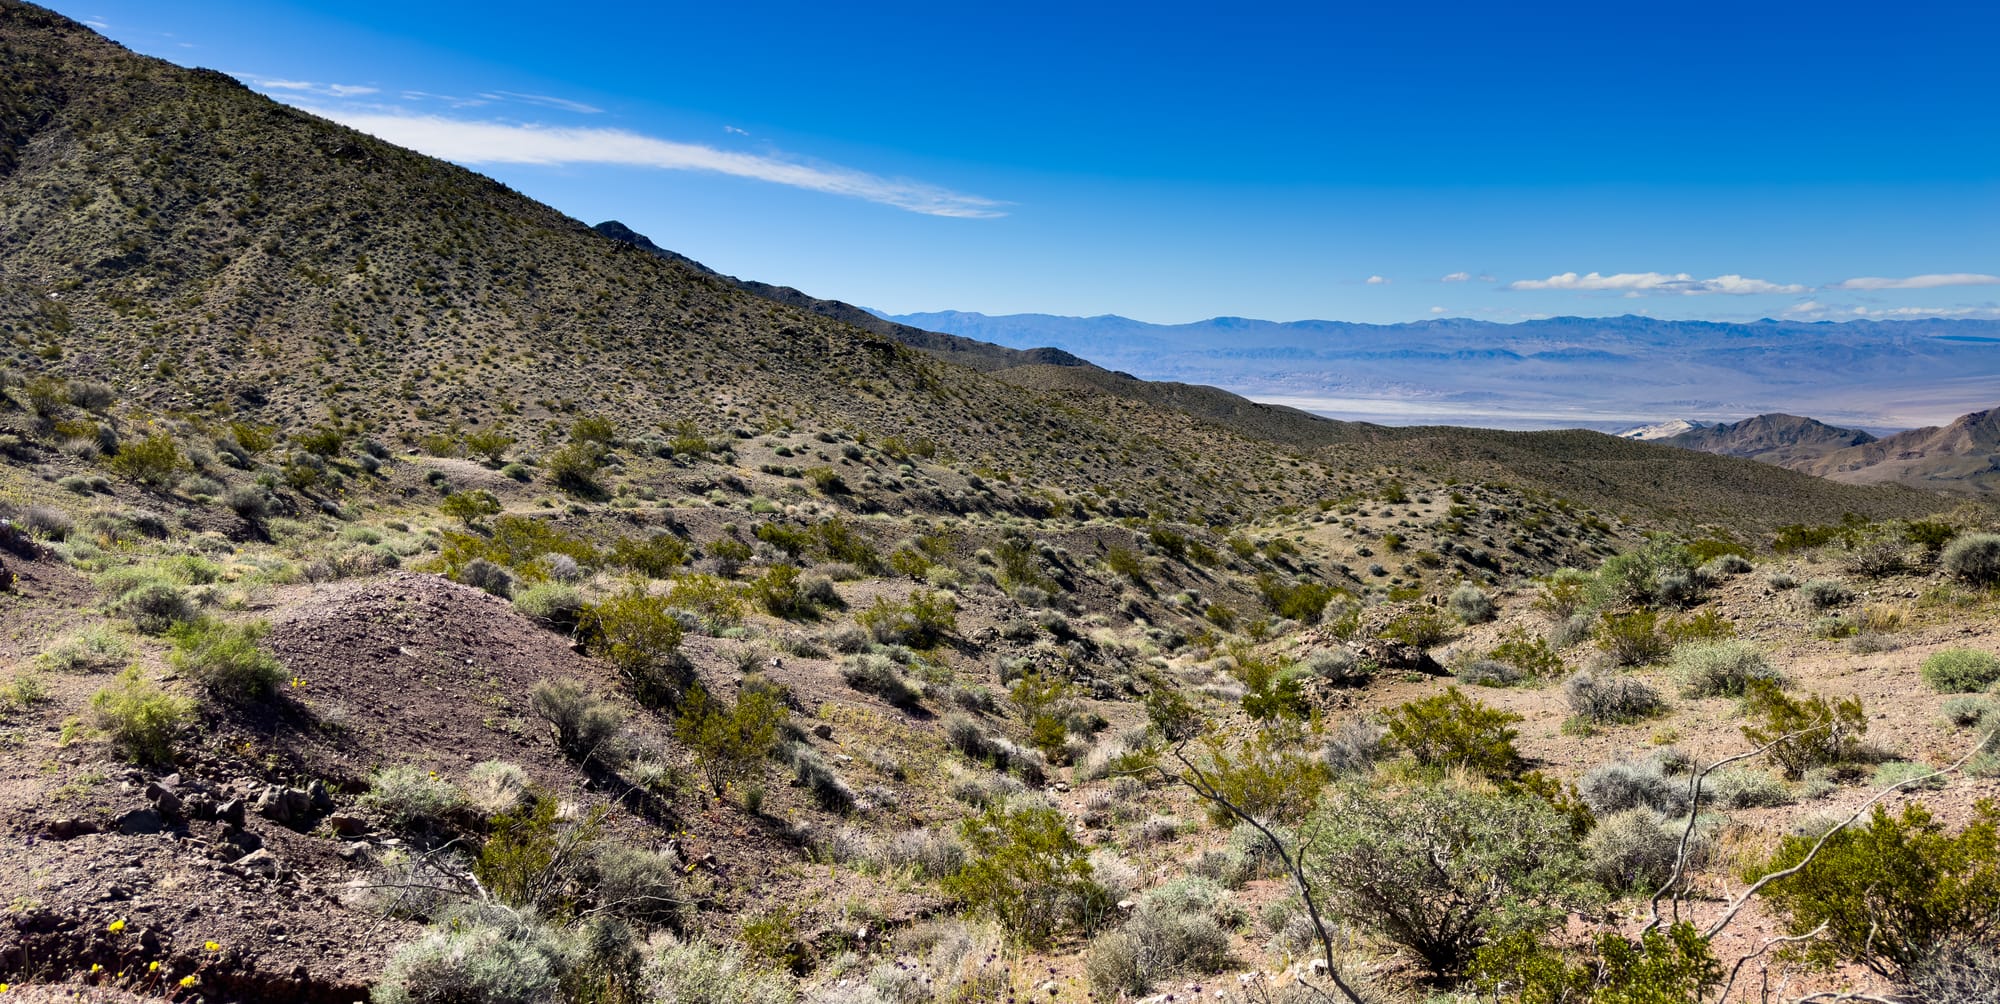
(823,730)
(257,862)
(231,813)
(317,796)
(347,824)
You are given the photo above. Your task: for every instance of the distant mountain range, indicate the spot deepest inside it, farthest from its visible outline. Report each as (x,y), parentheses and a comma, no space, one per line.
(1962,456)
(1607,373)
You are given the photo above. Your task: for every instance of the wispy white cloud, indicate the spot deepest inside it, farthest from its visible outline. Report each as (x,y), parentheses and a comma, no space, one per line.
(1376,280)
(1813,310)
(309,87)
(1651,283)
(97,22)
(733,130)
(545,101)
(1437,310)
(1457,277)
(505,143)
(1930,281)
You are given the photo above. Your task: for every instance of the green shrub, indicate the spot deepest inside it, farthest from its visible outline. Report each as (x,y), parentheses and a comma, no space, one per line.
(878,675)
(655,557)
(139,717)
(1301,601)
(1804,732)
(1670,966)
(487,577)
(1450,731)
(469,507)
(921,621)
(227,660)
(1744,789)
(409,798)
(1444,869)
(1891,892)
(730,740)
(1906,773)
(1563,592)
(155,460)
(588,728)
(1632,638)
(784,592)
(1721,669)
(1530,653)
(1273,775)
(1960,671)
(638,633)
(557,605)
(1661,573)
(153,605)
(1423,627)
(1613,788)
(1973,558)
(1180,927)
(1028,871)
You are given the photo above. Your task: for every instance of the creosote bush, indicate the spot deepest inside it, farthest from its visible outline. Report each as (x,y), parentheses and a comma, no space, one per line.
(227,659)
(1450,731)
(1028,871)
(1960,671)
(1806,732)
(139,717)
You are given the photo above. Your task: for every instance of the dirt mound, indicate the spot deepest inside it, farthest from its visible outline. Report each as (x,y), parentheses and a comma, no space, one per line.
(416,668)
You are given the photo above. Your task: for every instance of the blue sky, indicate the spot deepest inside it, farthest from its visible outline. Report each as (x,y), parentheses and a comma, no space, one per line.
(1172,162)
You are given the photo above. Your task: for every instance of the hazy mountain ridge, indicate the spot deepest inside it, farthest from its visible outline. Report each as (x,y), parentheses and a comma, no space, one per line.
(1962,456)
(1606,373)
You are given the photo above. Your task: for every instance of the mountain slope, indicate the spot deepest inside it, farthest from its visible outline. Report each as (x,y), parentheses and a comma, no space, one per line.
(1785,440)
(1963,456)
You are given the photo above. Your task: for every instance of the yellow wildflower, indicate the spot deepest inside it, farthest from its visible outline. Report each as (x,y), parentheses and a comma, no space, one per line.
(152,967)
(96,967)
(187,981)
(212,946)
(117,925)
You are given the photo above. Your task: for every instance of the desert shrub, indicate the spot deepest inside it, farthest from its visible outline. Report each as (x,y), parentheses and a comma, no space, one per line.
(781,590)
(1563,593)
(921,621)
(1957,970)
(410,798)
(48,521)
(699,972)
(227,659)
(1621,787)
(140,718)
(1804,732)
(92,648)
(155,460)
(820,780)
(1180,927)
(494,787)
(1825,594)
(1470,604)
(1633,850)
(1661,573)
(730,740)
(645,887)
(1608,699)
(1663,967)
(638,633)
(1354,746)
(487,954)
(1423,627)
(1744,789)
(487,576)
(587,727)
(1028,871)
(1721,668)
(153,605)
(1444,869)
(1960,671)
(1632,638)
(1972,712)
(1338,665)
(1894,890)
(1488,673)
(1973,558)
(1272,775)
(878,675)
(1727,564)
(1706,625)
(655,557)
(1527,652)
(554,604)
(1450,731)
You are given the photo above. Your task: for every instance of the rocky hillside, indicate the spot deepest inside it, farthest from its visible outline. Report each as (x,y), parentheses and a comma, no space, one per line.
(1785,440)
(1960,458)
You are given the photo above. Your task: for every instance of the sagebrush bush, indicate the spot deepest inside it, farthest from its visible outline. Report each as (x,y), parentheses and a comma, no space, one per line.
(1633,850)
(1825,594)
(554,604)
(645,887)
(1960,671)
(1743,788)
(1621,787)
(1906,773)
(485,953)
(227,659)
(588,728)
(1720,668)
(1727,564)
(879,675)
(1470,604)
(139,717)
(1180,927)
(407,797)
(494,787)
(482,574)
(1973,558)
(1607,698)
(1488,673)
(1354,746)
(92,648)
(154,605)
(820,780)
